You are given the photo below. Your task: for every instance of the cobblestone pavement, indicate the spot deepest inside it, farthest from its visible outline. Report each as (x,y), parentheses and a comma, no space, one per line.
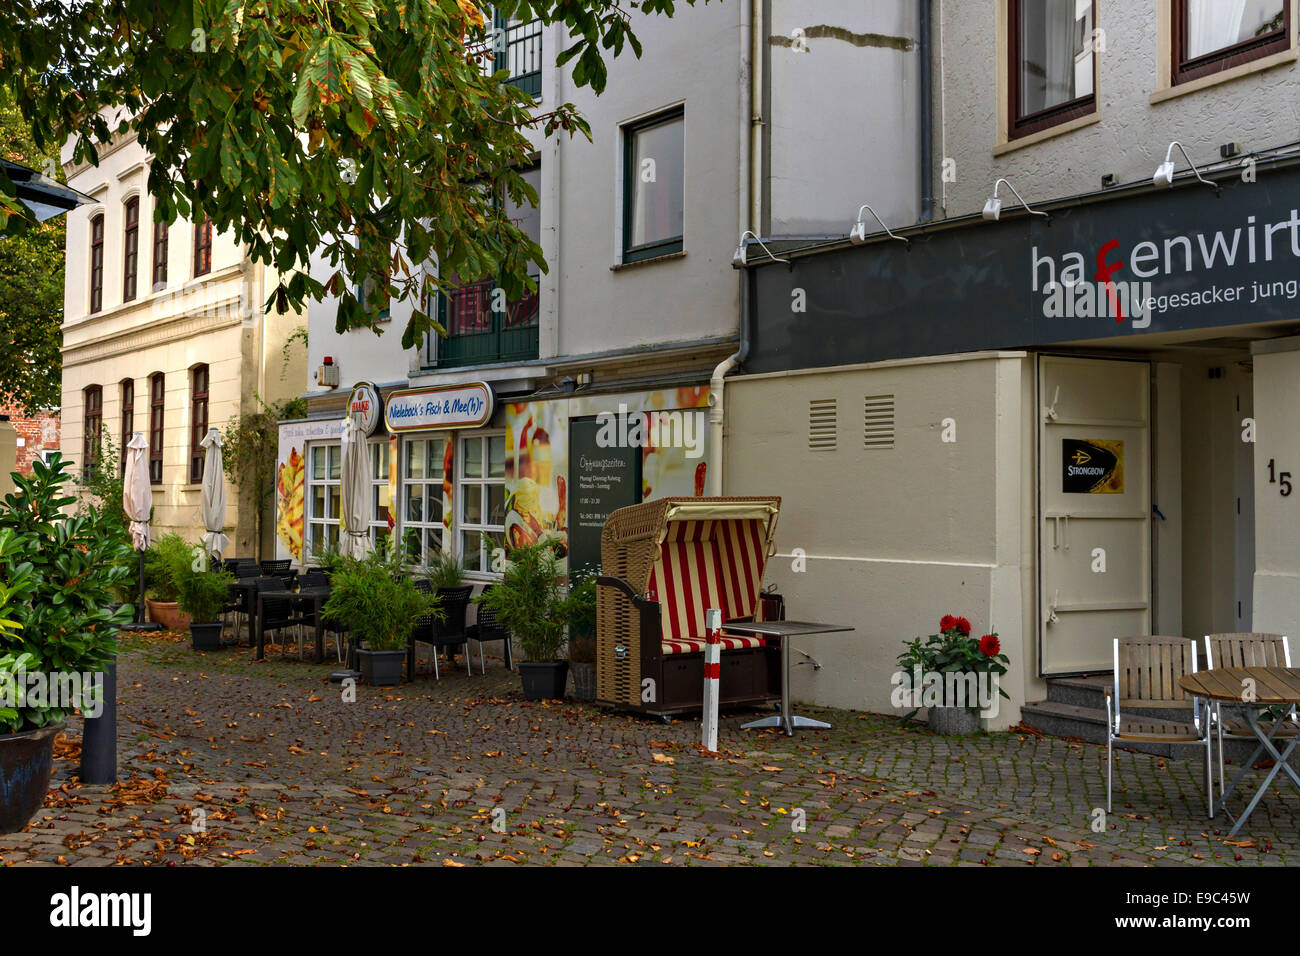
(228,762)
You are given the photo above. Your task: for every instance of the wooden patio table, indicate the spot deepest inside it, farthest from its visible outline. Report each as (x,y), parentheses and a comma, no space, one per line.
(784,630)
(1250,689)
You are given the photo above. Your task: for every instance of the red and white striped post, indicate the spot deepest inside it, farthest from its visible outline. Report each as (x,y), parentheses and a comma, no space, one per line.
(712,674)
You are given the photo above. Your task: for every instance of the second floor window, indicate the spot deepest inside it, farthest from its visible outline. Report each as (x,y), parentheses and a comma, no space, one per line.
(128,420)
(1214,35)
(130,248)
(484,325)
(157,396)
(203,247)
(159,278)
(1052,63)
(198,421)
(93,428)
(653,198)
(97,263)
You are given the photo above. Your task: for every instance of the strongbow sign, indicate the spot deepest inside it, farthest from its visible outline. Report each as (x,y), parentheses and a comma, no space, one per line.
(449,406)
(364,406)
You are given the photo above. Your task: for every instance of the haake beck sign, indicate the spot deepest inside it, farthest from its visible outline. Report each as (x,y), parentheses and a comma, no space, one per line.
(442,407)
(1153,261)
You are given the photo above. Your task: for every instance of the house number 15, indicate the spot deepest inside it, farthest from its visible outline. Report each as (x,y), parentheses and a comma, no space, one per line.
(1283,479)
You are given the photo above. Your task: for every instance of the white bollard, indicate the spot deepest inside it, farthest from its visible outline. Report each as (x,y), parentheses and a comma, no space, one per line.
(712,674)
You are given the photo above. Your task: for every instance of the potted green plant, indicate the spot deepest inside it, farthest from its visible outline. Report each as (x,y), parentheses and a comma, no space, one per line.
(204,591)
(166,564)
(63,631)
(582,636)
(443,570)
(952,674)
(377,601)
(533,605)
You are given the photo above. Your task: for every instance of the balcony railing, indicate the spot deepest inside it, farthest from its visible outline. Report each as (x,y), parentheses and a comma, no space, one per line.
(477,334)
(517,48)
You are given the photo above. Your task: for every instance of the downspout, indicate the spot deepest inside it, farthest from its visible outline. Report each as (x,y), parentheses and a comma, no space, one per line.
(926,99)
(751,133)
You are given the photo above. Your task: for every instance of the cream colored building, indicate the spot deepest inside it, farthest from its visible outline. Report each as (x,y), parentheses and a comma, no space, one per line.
(152,322)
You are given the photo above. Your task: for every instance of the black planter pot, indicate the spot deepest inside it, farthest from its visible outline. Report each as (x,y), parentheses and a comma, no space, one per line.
(544,681)
(205,637)
(381,668)
(24,775)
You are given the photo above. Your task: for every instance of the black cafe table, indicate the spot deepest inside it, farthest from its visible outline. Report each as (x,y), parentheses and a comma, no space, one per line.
(316,595)
(785,630)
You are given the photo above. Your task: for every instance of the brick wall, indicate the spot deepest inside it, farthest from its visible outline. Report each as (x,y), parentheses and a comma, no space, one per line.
(35,435)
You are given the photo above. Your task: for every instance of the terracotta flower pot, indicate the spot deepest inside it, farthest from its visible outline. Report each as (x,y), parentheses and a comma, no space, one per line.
(168,614)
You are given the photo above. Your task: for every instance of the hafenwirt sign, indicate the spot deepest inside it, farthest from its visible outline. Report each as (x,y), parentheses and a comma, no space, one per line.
(1153,261)
(447,406)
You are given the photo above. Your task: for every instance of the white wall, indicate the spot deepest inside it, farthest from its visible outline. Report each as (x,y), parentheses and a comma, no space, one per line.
(1131,135)
(896,538)
(844,121)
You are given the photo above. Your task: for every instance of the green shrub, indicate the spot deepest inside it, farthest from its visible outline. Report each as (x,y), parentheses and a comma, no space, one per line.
(376,599)
(531,602)
(59,574)
(582,620)
(203,593)
(166,564)
(443,571)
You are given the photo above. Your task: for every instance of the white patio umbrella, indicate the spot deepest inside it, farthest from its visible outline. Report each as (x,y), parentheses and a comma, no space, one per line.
(354,489)
(137,501)
(213,502)
(137,497)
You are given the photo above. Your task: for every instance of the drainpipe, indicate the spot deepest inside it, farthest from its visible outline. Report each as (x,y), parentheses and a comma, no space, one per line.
(926,99)
(746,189)
(748,217)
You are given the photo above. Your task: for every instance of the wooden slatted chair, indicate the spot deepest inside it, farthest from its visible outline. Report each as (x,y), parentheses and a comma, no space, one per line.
(1246,650)
(1147,670)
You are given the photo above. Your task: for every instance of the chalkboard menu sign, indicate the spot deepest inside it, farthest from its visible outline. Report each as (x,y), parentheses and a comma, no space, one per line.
(601,480)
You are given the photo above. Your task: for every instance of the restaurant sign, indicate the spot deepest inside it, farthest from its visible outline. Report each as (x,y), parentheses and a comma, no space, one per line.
(442,407)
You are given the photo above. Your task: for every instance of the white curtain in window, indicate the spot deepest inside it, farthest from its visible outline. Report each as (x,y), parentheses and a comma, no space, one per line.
(1059,30)
(1213,24)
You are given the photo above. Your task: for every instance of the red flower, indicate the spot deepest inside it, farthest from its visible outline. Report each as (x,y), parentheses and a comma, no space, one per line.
(989,645)
(963,627)
(947,623)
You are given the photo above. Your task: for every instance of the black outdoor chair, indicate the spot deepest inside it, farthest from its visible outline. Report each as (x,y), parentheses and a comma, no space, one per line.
(449,632)
(279,613)
(314,578)
(485,630)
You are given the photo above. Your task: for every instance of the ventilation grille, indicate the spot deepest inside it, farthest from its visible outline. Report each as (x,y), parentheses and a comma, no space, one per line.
(822,424)
(878,421)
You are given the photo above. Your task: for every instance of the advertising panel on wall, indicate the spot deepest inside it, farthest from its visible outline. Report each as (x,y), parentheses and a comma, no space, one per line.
(665,429)
(291,478)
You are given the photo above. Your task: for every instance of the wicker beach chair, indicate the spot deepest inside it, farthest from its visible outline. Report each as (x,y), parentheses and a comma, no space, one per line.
(665,562)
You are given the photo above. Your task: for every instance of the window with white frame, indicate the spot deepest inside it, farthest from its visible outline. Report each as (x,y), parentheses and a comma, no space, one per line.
(324,497)
(379,493)
(481,499)
(422,476)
